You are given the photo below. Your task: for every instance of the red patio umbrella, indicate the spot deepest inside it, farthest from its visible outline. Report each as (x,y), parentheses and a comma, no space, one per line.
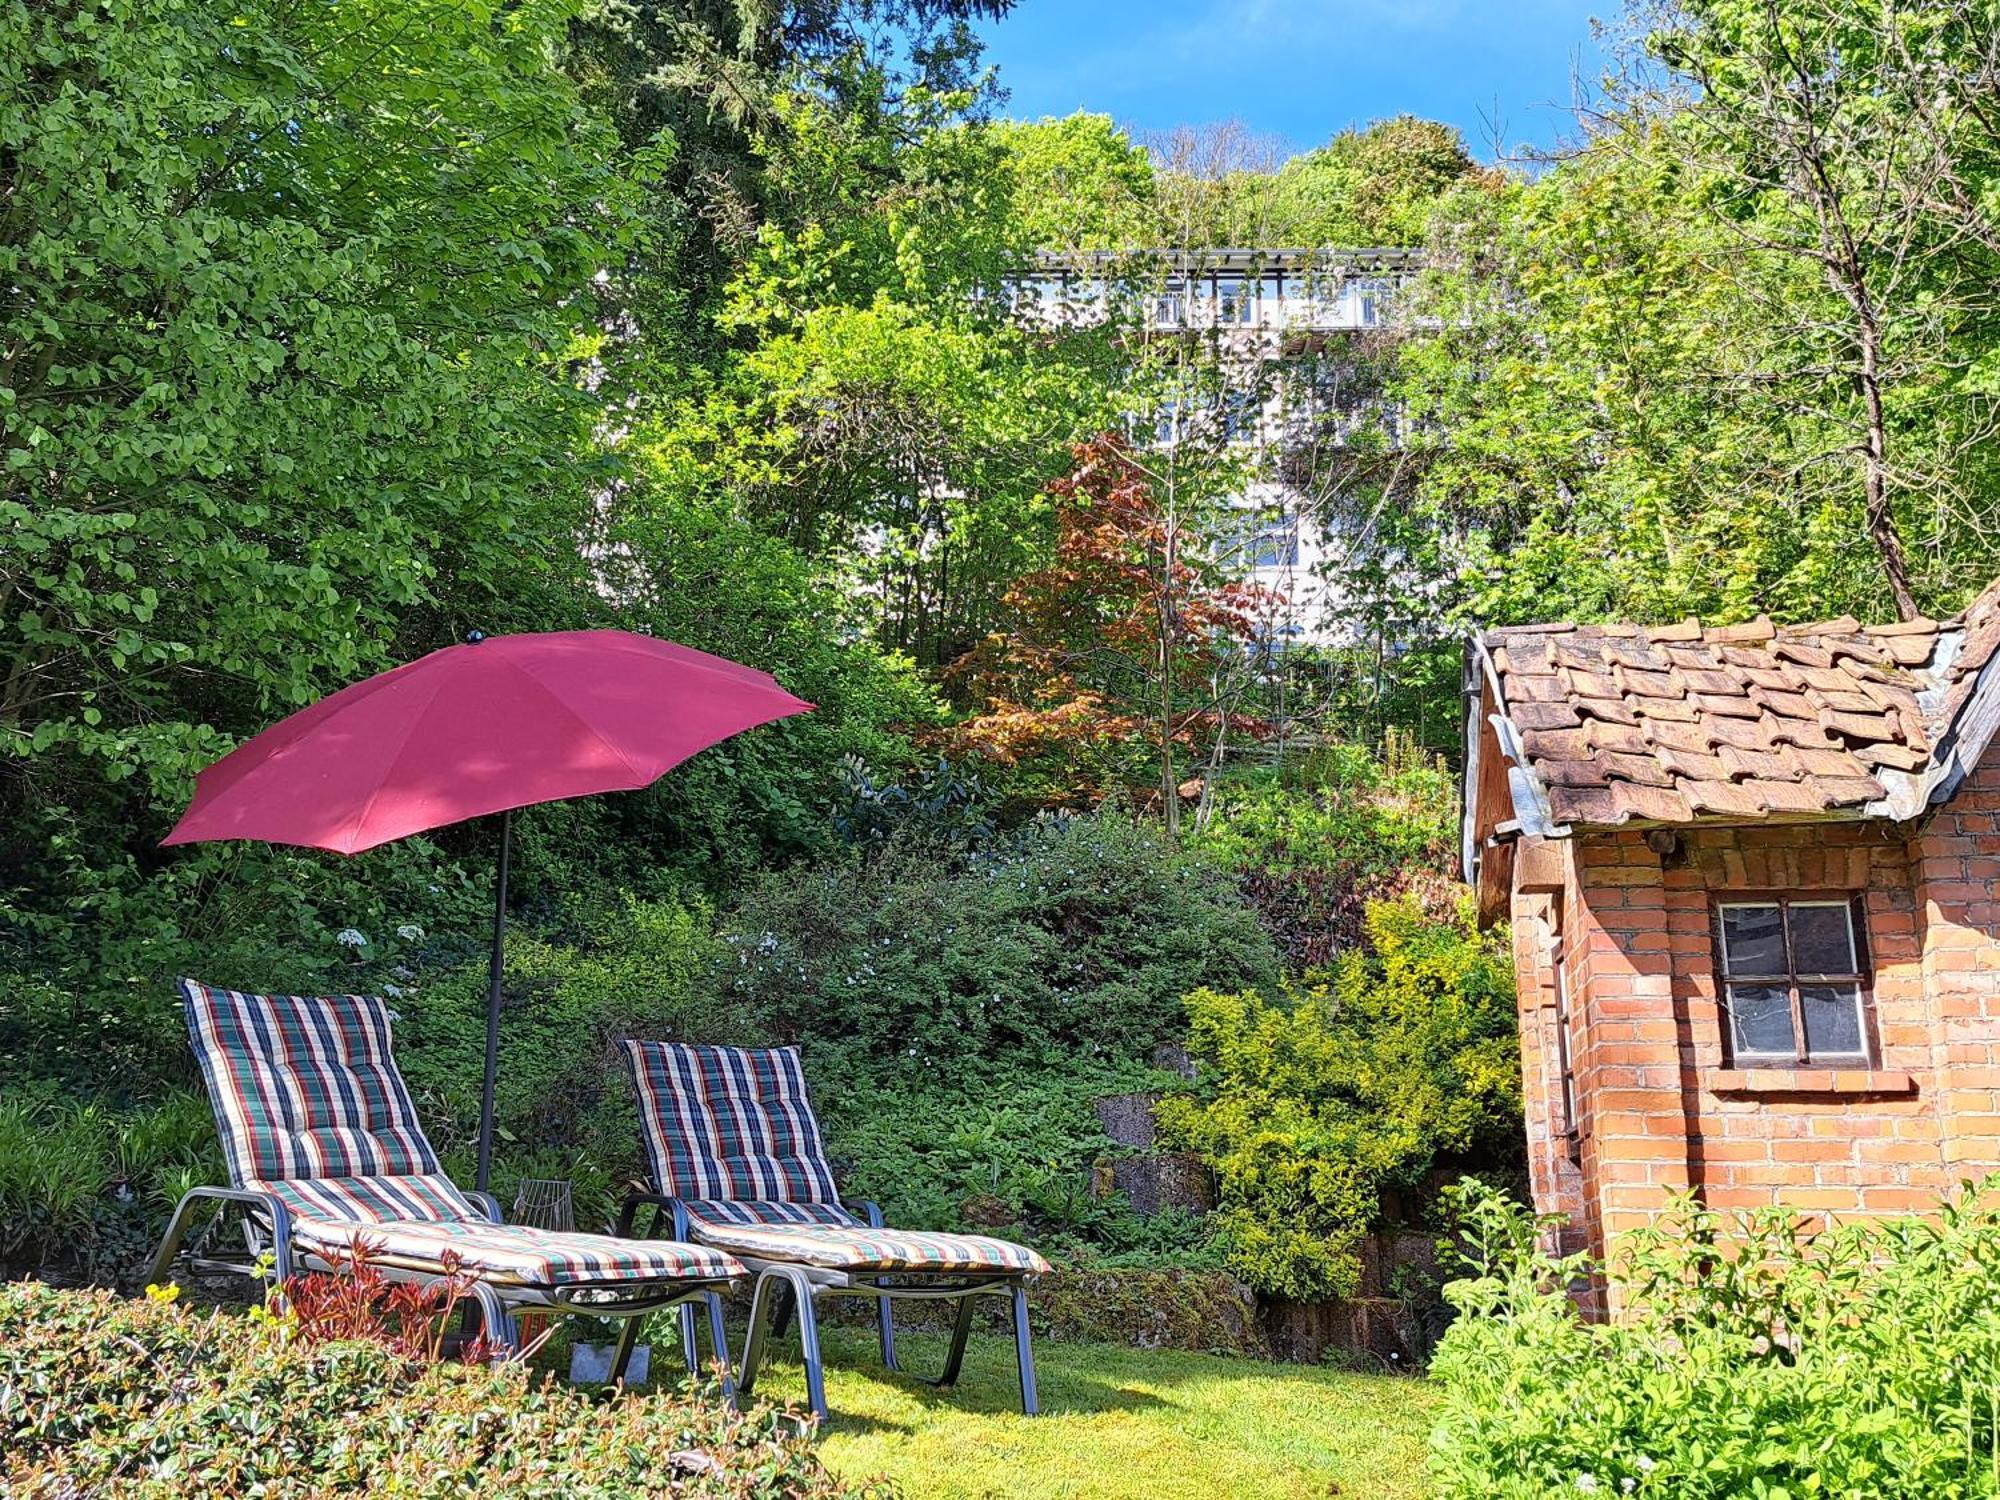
(498,723)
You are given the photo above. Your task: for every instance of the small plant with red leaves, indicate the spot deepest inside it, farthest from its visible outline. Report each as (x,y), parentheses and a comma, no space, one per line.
(357,1300)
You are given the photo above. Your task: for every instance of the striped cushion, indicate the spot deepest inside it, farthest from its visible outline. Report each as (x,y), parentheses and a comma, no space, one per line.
(306,1087)
(729,1122)
(850,1246)
(371,1200)
(729,1130)
(515,1255)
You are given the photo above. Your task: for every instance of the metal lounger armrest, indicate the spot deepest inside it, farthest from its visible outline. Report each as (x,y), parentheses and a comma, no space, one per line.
(279,1216)
(628,1215)
(489,1204)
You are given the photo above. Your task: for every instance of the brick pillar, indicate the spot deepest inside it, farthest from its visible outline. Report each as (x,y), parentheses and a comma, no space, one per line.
(1636,1151)
(1957,859)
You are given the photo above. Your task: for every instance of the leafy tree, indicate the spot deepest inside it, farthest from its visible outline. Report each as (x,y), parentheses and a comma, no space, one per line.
(1372,186)
(1799,142)
(1125,647)
(1079,183)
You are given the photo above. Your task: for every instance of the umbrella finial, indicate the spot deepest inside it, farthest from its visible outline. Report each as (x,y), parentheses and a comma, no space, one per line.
(474,637)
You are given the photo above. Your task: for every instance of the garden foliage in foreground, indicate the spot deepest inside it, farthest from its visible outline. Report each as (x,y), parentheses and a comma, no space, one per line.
(84,1409)
(1761,1356)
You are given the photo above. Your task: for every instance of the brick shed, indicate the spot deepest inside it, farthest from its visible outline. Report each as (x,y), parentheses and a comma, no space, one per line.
(1753,881)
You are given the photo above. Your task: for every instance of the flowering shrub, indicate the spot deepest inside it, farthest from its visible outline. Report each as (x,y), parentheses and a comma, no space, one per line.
(1760,1356)
(116,1398)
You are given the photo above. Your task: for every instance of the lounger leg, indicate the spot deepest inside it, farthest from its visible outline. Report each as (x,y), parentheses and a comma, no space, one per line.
(802,1294)
(718,1343)
(170,1246)
(767,1287)
(1024,1353)
(498,1322)
(770,1283)
(885,1320)
(690,1352)
(628,1339)
(954,1358)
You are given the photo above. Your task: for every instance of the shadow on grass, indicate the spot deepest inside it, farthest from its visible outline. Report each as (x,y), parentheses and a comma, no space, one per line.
(1080,1380)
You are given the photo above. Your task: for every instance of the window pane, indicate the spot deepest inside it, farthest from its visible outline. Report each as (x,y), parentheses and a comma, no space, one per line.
(1823,938)
(1753,939)
(1761,1015)
(1833,1019)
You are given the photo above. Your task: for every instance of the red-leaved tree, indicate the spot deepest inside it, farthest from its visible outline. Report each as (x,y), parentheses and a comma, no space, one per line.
(1124,658)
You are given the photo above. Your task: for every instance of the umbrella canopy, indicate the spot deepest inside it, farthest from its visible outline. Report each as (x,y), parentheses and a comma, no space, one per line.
(498,723)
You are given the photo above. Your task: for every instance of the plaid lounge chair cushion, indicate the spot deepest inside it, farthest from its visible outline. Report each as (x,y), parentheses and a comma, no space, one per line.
(730,1131)
(515,1254)
(312,1109)
(852,1245)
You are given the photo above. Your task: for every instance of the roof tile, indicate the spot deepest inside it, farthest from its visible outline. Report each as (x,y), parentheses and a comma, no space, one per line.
(1673,723)
(1759,629)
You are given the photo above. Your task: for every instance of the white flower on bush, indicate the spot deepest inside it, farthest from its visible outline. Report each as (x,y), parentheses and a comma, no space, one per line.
(351,937)
(1586,1484)
(410,932)
(1645,1465)
(394,992)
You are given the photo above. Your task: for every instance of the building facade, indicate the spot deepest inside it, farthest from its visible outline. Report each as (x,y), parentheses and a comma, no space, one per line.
(1752,877)
(1292,339)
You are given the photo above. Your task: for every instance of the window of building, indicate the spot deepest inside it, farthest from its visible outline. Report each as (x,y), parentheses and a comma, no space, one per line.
(1233,301)
(1794,978)
(1275,545)
(1169,308)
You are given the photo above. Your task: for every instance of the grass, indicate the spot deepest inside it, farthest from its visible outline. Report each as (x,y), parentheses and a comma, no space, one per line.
(1116,1423)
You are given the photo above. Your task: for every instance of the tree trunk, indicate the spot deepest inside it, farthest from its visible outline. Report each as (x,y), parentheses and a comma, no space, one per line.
(1875,459)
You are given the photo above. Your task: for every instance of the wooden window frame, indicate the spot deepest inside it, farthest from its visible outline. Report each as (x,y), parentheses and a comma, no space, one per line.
(1863,978)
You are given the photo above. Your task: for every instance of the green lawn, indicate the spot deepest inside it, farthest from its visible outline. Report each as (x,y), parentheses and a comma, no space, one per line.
(1116,1422)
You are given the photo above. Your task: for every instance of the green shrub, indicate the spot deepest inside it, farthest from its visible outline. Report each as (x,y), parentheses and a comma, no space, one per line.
(562,1106)
(88,1187)
(1755,1358)
(115,1398)
(1069,939)
(1314,843)
(1318,1099)
(999,1149)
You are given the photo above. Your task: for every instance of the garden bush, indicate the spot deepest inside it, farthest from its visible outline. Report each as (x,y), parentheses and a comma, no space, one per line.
(1313,844)
(1070,938)
(1006,1148)
(1314,1101)
(140,1398)
(1758,1355)
(87,1187)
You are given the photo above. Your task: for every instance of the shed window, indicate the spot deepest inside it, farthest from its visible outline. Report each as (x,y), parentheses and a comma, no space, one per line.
(1794,979)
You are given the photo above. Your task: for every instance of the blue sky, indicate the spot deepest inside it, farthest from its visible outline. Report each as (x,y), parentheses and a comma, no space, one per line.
(1301,69)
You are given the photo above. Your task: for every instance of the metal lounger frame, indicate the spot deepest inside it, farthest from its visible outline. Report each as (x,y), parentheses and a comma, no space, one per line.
(266,1216)
(806,1284)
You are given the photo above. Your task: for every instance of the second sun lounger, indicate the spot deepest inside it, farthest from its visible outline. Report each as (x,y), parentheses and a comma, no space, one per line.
(736,1161)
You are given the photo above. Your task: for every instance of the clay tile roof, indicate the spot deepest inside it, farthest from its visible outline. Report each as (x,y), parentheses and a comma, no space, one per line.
(1675,723)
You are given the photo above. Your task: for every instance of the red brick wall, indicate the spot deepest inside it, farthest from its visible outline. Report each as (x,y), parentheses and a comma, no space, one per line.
(1659,1108)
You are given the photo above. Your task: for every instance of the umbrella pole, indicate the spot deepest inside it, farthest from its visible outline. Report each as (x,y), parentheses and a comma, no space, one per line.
(494,968)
